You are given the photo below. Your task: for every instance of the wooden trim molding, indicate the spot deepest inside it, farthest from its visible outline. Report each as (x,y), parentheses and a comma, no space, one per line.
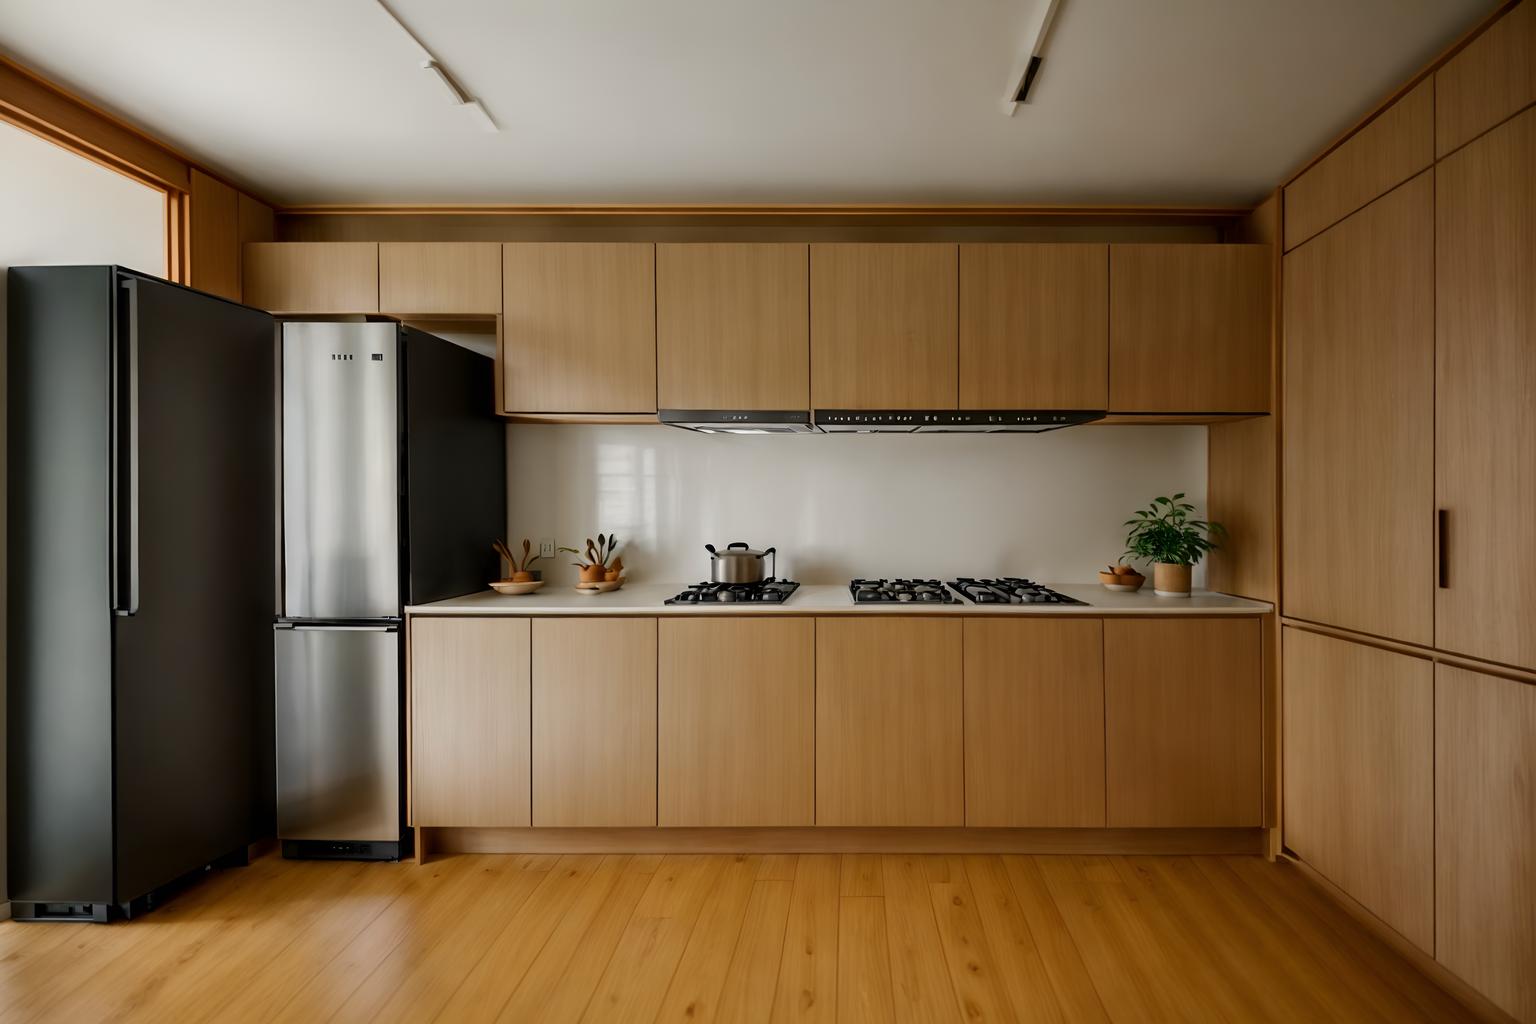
(1107,841)
(1490,668)
(985,211)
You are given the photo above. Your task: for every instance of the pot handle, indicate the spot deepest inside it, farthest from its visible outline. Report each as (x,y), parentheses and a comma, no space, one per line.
(743,545)
(775,564)
(710,548)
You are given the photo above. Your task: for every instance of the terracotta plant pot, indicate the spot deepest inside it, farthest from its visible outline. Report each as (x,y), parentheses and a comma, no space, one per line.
(593,573)
(522,576)
(1169,580)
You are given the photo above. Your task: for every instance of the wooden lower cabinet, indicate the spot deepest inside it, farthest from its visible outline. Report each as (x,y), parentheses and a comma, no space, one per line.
(889,722)
(469,722)
(1485,835)
(594,722)
(1034,723)
(1182,723)
(736,720)
(1359,737)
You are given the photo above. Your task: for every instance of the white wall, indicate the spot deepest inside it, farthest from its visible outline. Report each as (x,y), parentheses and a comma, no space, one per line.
(1046,506)
(59,208)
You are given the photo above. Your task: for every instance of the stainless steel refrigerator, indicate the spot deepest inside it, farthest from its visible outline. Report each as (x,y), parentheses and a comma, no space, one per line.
(393,488)
(142,551)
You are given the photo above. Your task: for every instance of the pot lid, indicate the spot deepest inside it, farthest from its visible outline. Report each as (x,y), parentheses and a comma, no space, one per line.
(738,547)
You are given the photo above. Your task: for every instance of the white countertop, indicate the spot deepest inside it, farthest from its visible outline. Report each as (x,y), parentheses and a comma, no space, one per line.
(825,599)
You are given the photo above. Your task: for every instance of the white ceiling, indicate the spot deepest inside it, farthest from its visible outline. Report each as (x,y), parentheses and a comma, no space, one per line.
(834,101)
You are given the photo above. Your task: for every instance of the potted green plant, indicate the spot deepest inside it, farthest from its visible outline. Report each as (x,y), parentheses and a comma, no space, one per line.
(1166,534)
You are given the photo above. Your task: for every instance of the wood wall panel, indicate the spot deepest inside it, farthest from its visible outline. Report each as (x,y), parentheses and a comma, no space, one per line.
(1358,492)
(1485,835)
(1359,739)
(470,721)
(302,277)
(1485,394)
(1396,145)
(1491,79)
(1034,723)
(214,220)
(1241,496)
(736,708)
(1034,326)
(733,326)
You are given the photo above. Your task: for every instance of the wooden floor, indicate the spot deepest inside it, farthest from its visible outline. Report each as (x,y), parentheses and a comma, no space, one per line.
(769,938)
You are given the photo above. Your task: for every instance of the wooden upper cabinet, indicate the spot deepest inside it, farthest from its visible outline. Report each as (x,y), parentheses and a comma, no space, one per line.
(1359,774)
(470,722)
(312,277)
(1358,458)
(594,723)
(736,748)
(1189,328)
(579,327)
(1034,723)
(889,722)
(213,220)
(440,278)
(1183,745)
(733,326)
(884,326)
(1396,145)
(1491,79)
(1485,394)
(1034,326)
(1485,835)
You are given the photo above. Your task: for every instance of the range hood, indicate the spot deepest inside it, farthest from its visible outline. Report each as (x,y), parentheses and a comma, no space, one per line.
(723,421)
(951,421)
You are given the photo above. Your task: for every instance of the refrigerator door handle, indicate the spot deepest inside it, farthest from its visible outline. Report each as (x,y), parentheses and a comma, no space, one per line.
(125,455)
(296,627)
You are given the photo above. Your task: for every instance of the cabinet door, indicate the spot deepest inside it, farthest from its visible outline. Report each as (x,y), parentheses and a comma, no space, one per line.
(1359,774)
(579,327)
(1182,723)
(1492,78)
(1189,328)
(1034,723)
(736,722)
(1485,835)
(213,220)
(594,722)
(440,278)
(889,722)
(470,722)
(733,326)
(312,277)
(883,326)
(1485,395)
(1034,326)
(1359,428)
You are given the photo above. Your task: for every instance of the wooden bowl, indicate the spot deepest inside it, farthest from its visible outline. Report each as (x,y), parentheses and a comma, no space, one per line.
(509,587)
(600,588)
(1122,584)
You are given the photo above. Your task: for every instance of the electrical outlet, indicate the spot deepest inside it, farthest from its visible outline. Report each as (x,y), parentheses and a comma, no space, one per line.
(546,549)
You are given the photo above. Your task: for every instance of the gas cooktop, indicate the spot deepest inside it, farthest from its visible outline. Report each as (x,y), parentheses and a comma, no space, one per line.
(769,591)
(891,591)
(1010,590)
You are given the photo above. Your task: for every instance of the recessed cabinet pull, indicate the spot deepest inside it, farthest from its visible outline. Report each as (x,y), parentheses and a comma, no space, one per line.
(1442,563)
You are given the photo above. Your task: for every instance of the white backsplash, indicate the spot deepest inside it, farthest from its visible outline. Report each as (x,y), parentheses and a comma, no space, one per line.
(1049,506)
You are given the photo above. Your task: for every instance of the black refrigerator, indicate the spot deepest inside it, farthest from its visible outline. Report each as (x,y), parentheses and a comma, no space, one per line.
(142,560)
(394,487)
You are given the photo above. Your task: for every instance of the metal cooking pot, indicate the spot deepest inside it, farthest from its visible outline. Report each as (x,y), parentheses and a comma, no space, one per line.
(738,563)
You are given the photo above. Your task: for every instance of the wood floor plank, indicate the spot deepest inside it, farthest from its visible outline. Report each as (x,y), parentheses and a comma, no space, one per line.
(564,998)
(1025,980)
(863,961)
(779,866)
(1063,961)
(920,985)
(860,875)
(636,981)
(747,995)
(807,989)
(694,994)
(973,969)
(496,975)
(1397,986)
